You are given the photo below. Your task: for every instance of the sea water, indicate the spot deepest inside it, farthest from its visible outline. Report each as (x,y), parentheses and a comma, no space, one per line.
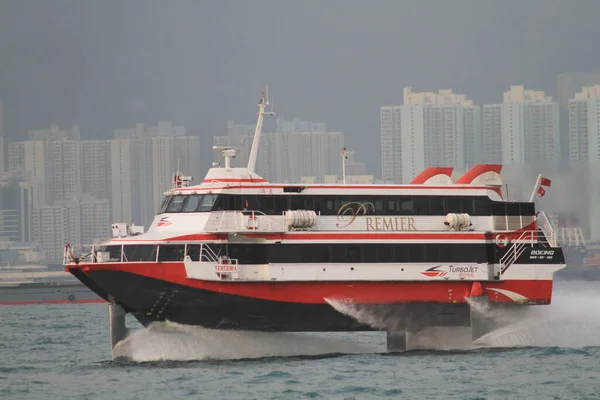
(63,352)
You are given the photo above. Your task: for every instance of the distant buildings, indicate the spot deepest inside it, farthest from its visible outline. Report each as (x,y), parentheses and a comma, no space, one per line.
(2,162)
(77,188)
(15,207)
(52,159)
(430,129)
(83,219)
(446,129)
(584,147)
(524,129)
(143,161)
(289,152)
(584,125)
(569,84)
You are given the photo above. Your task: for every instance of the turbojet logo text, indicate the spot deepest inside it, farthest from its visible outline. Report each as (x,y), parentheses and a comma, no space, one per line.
(443,271)
(463,270)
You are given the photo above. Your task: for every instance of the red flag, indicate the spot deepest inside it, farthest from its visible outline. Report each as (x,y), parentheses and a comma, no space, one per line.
(546,182)
(541,191)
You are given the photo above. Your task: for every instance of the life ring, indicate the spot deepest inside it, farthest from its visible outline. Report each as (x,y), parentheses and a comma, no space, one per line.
(501,241)
(71,297)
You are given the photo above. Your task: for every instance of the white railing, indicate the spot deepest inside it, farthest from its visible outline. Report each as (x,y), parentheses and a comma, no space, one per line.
(527,238)
(86,254)
(517,248)
(79,253)
(246,221)
(570,237)
(544,224)
(208,254)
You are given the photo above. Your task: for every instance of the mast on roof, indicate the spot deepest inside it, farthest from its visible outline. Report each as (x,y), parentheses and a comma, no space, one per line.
(264,101)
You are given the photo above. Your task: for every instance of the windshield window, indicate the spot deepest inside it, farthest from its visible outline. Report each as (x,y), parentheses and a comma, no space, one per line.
(164,204)
(176,204)
(192,203)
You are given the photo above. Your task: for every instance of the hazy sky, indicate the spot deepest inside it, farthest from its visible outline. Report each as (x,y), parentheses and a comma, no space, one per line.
(107,64)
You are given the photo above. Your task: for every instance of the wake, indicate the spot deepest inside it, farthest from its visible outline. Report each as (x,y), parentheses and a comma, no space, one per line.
(172,341)
(572,320)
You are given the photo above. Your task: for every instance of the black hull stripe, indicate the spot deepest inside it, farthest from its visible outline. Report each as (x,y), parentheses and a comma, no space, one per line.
(152,300)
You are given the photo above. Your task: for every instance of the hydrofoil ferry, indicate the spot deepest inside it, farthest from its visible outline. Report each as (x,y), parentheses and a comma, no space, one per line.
(238,252)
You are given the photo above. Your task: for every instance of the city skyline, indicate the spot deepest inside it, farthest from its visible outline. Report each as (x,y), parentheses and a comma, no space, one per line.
(82,186)
(247,127)
(104,65)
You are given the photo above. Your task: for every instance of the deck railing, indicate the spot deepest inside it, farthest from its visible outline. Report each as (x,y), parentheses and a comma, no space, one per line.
(527,238)
(77,253)
(544,225)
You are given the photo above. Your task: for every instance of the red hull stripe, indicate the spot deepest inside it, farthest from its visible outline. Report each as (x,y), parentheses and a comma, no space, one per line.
(29,302)
(313,292)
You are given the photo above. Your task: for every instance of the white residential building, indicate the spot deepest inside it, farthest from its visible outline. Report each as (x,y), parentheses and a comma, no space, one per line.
(94,164)
(430,129)
(290,152)
(53,159)
(122,170)
(143,161)
(30,157)
(524,129)
(83,219)
(584,147)
(2,162)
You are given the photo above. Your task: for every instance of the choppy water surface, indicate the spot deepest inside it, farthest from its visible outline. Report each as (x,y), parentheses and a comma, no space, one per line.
(63,351)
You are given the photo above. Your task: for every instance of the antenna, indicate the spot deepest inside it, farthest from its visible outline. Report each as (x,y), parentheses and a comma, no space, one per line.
(180,180)
(177,177)
(535,188)
(264,101)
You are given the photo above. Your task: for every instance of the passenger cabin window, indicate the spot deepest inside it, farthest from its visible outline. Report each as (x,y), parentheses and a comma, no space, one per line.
(139,252)
(366,253)
(331,205)
(193,251)
(171,252)
(114,251)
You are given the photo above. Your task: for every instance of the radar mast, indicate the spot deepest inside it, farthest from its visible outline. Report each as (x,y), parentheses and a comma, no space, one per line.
(264,101)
